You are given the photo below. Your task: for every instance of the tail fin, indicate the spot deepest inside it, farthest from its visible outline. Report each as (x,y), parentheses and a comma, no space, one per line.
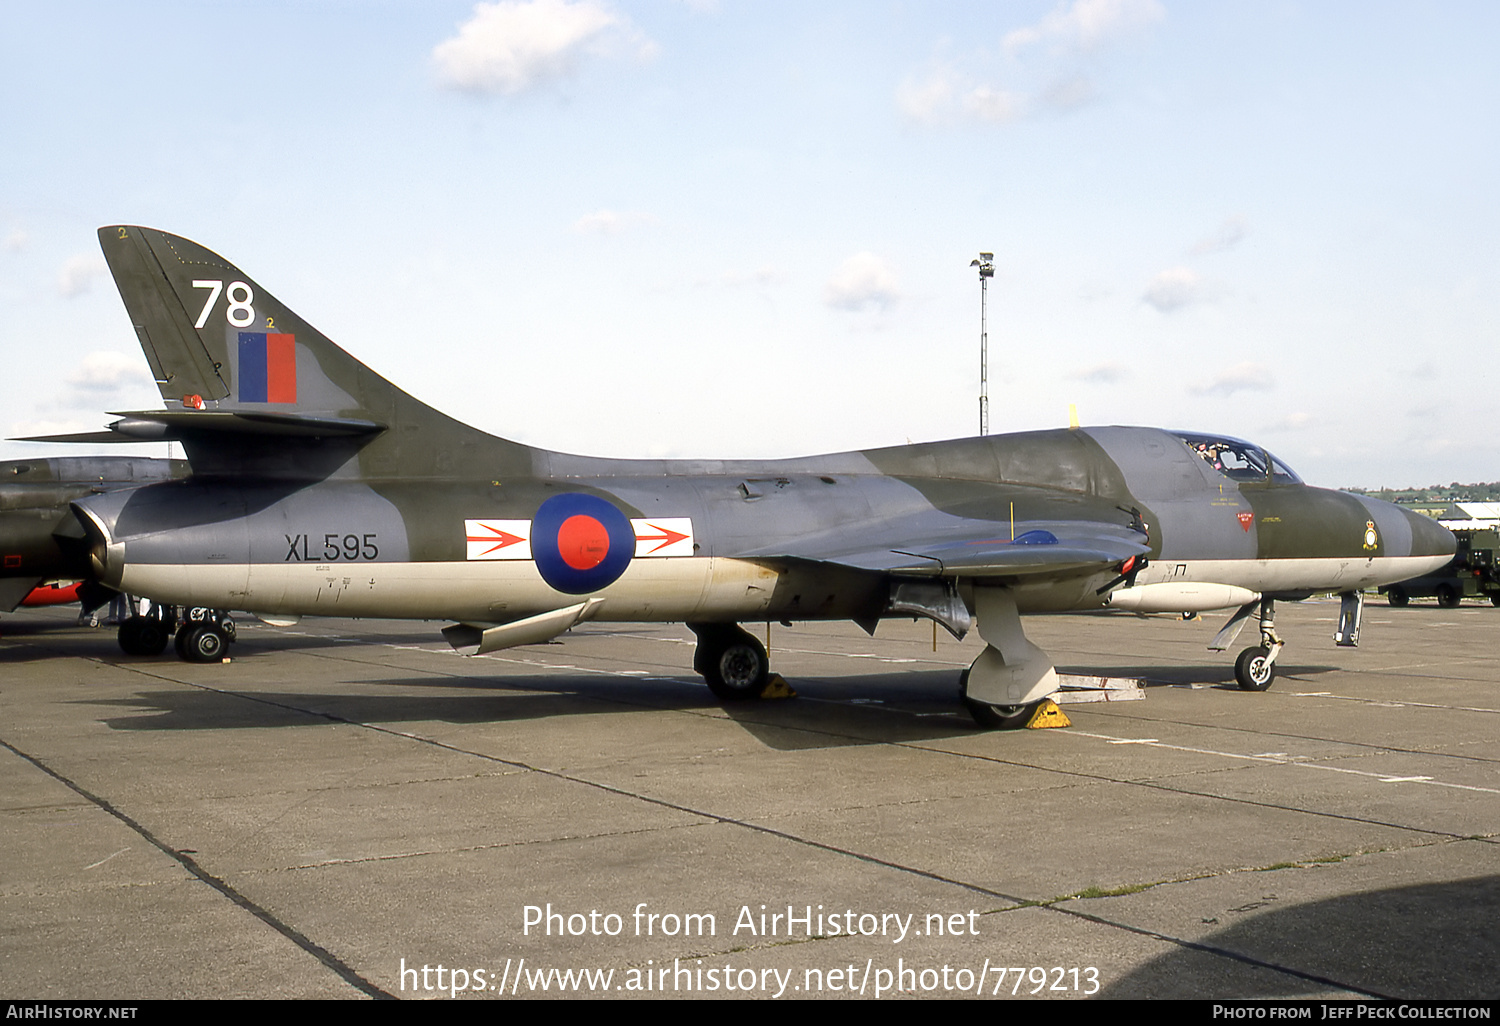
(251,387)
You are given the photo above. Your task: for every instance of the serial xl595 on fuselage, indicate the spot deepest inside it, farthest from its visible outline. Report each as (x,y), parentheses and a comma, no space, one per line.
(320,488)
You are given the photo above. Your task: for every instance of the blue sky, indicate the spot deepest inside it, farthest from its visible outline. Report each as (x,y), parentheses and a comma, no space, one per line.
(744,229)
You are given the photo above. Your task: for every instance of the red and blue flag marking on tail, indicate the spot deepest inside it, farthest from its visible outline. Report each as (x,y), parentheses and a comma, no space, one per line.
(268,367)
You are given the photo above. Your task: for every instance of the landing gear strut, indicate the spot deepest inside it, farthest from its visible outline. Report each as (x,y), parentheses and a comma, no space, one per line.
(1256,667)
(1011,677)
(733,663)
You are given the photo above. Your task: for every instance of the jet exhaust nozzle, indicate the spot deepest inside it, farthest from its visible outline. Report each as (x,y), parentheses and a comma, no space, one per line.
(106,556)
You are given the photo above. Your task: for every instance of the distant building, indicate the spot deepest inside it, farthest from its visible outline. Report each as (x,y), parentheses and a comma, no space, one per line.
(1471,516)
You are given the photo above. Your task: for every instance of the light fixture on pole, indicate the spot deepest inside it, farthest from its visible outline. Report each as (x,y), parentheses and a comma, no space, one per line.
(986,265)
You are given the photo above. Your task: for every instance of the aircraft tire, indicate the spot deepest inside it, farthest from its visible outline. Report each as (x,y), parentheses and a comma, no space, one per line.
(1252,671)
(143,636)
(994,717)
(129,636)
(1397,597)
(736,668)
(201,643)
(153,637)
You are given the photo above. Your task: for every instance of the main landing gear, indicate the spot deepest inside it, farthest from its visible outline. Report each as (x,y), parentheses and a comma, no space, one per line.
(733,663)
(1002,689)
(994,717)
(1012,677)
(202,635)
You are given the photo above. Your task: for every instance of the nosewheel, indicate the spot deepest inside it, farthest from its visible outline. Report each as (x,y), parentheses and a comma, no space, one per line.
(1254,670)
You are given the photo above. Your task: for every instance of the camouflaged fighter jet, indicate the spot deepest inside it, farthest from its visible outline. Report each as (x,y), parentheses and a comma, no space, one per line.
(319,488)
(34,497)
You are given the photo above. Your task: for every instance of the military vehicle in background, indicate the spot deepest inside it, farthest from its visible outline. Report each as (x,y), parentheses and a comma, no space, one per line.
(1474,572)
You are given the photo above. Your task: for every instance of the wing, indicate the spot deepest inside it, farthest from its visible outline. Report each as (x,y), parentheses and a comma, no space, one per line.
(939,545)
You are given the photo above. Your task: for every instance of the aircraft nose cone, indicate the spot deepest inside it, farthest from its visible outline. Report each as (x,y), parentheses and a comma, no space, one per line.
(1419,540)
(1429,538)
(1414,544)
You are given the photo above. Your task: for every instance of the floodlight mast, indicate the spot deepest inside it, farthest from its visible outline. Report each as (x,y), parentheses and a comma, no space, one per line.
(986,265)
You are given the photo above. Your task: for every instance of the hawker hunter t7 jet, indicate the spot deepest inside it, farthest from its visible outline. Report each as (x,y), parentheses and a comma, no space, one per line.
(318,487)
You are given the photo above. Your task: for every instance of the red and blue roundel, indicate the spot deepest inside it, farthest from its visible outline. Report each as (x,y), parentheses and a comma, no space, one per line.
(581,543)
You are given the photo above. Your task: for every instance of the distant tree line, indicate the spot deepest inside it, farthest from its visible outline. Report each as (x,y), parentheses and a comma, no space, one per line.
(1483,491)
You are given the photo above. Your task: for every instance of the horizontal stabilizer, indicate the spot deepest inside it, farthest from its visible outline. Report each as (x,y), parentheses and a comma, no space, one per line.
(83,437)
(175,425)
(242,422)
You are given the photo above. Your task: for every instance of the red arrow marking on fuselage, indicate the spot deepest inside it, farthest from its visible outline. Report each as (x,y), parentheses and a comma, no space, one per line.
(667,537)
(504,538)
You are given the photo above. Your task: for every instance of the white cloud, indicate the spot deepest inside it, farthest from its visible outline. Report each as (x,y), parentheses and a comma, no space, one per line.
(1174,289)
(78,273)
(1294,422)
(1242,377)
(1068,94)
(926,99)
(992,106)
(1101,374)
(944,94)
(762,277)
(862,281)
(609,222)
(1228,235)
(108,371)
(512,46)
(15,241)
(1085,24)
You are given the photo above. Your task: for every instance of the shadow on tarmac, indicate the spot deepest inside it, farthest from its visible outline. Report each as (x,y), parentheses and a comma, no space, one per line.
(1439,941)
(831,712)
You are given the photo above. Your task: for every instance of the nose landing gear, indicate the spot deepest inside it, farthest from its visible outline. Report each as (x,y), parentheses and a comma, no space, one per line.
(1255,669)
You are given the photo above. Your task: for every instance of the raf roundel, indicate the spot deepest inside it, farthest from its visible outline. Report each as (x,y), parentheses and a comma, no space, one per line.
(581,543)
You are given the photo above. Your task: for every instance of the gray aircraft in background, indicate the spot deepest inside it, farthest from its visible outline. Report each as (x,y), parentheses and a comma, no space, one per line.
(318,487)
(40,541)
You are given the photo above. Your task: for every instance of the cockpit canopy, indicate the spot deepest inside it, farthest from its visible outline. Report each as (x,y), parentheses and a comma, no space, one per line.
(1239,460)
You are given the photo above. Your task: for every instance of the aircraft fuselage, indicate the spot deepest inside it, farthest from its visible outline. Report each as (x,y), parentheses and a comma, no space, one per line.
(700,536)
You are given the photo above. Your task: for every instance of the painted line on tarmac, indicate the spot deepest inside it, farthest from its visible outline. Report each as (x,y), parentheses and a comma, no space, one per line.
(1282,759)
